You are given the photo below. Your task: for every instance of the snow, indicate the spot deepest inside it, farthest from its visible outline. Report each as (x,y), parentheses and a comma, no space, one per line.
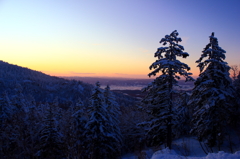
(183,148)
(144,154)
(171,154)
(80,87)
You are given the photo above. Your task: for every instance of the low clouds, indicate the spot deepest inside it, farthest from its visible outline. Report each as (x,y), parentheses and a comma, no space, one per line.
(123,75)
(80,73)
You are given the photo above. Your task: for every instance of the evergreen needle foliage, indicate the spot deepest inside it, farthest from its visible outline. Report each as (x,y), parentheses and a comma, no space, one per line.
(159,98)
(213,96)
(101,133)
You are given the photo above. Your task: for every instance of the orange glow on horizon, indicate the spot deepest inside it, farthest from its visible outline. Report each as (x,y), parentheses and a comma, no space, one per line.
(83,69)
(110,75)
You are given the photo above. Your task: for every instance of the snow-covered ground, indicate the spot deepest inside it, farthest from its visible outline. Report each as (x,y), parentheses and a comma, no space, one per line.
(145,154)
(184,148)
(171,154)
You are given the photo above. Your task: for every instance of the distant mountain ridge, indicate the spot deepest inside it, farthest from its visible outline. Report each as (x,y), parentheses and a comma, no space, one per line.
(45,88)
(41,86)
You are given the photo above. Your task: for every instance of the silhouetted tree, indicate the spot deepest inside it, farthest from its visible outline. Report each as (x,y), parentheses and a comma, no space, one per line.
(98,134)
(50,144)
(7,137)
(78,128)
(213,96)
(159,98)
(113,113)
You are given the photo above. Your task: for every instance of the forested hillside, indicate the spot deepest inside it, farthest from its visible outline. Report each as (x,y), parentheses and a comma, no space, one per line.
(49,117)
(44,116)
(42,87)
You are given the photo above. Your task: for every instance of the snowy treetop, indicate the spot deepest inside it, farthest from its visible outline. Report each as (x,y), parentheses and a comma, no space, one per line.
(167,62)
(214,53)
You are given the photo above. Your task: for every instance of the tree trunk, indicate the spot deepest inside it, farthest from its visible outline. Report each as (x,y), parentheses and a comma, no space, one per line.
(169,125)
(169,136)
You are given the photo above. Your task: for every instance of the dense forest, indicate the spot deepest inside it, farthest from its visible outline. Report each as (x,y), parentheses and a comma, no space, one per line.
(39,112)
(50,117)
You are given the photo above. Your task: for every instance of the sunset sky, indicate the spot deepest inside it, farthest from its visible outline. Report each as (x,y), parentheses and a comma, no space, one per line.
(114,38)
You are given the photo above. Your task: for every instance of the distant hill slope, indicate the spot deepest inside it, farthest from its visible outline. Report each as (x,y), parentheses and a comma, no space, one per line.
(45,88)
(42,87)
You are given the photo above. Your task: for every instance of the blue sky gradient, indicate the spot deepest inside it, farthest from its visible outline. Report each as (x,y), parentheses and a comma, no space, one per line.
(111,38)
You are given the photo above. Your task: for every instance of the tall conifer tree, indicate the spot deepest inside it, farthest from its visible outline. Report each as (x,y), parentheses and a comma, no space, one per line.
(7,137)
(50,144)
(79,122)
(98,134)
(236,84)
(213,95)
(159,97)
(114,112)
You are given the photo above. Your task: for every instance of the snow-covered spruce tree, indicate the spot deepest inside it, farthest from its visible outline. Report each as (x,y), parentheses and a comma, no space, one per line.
(114,112)
(66,129)
(77,127)
(57,109)
(50,144)
(183,114)
(7,137)
(159,97)
(19,117)
(32,126)
(98,135)
(236,84)
(213,96)
(19,100)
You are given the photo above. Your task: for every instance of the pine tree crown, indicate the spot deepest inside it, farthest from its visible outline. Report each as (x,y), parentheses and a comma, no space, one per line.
(215,54)
(167,62)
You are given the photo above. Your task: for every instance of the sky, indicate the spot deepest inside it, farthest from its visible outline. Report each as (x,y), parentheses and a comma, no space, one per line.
(113,38)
